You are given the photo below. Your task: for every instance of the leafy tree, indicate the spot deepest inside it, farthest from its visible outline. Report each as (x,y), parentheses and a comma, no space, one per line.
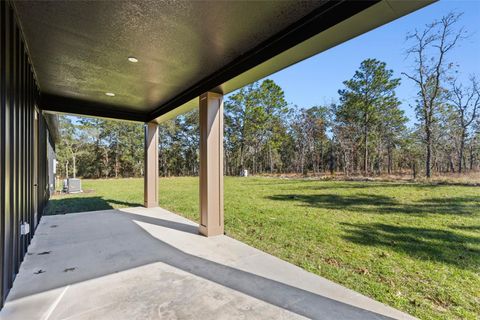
(367,97)
(391,129)
(254,126)
(71,145)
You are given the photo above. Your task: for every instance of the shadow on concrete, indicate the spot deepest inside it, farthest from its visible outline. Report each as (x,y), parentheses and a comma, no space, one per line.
(80,203)
(128,245)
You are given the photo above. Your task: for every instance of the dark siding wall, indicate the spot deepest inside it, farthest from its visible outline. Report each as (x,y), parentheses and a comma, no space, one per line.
(18,95)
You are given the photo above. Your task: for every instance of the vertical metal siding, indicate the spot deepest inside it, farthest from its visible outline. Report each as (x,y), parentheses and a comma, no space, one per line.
(18,96)
(3,124)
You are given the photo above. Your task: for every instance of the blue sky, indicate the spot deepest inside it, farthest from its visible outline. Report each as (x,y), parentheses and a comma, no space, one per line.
(316,80)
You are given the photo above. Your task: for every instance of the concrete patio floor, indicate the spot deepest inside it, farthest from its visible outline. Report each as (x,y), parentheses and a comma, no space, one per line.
(139,263)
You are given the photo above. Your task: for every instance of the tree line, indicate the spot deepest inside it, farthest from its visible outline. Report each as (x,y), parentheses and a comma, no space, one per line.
(365,133)
(99,148)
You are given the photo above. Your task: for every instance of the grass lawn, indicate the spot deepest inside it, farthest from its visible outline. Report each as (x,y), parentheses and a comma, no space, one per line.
(413,246)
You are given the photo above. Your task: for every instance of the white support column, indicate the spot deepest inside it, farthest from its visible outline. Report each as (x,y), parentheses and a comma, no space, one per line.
(211,164)
(150,174)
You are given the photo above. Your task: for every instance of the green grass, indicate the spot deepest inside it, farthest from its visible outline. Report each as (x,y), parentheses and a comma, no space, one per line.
(413,246)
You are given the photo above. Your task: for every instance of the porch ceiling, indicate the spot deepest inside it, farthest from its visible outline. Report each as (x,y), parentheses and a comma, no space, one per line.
(79,49)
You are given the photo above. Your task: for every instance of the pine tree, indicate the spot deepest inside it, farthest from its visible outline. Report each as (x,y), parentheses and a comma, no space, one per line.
(367,97)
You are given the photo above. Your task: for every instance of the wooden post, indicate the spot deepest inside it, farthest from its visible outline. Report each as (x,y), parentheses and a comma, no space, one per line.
(150,191)
(211,164)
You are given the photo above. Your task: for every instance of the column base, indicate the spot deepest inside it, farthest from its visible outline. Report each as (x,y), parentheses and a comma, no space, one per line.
(150,204)
(210,232)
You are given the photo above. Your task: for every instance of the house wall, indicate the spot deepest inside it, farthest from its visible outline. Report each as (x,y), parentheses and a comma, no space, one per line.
(21,126)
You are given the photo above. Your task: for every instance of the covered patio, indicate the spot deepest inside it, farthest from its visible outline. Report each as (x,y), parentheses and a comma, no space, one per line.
(140,263)
(140,61)
(147,62)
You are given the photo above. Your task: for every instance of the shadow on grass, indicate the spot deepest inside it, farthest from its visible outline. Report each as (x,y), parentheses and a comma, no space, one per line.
(466,228)
(83,204)
(123,204)
(319,184)
(373,203)
(421,243)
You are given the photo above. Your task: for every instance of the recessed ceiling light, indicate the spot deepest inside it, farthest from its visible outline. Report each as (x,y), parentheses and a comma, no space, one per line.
(132,59)
(110,94)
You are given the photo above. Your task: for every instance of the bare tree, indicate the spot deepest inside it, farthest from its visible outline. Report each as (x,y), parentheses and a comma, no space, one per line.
(466,101)
(430,48)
